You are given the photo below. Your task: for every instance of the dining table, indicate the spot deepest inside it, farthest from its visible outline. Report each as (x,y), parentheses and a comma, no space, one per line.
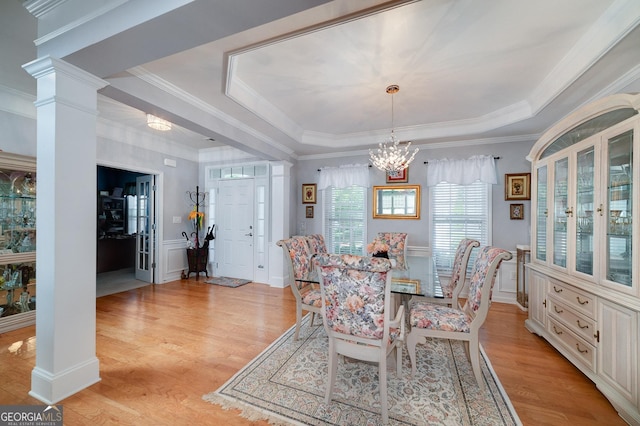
(418,277)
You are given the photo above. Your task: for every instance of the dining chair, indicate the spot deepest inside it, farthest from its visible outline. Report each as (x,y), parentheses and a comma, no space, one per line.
(297,257)
(452,289)
(397,242)
(454,323)
(356,296)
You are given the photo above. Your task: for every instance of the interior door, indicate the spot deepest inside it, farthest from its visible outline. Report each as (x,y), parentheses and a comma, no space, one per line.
(234,241)
(146,236)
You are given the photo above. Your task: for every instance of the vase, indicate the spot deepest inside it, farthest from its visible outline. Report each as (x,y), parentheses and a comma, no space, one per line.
(381,254)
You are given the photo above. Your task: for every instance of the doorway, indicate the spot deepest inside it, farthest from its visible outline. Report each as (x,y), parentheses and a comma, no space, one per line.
(235,235)
(118,230)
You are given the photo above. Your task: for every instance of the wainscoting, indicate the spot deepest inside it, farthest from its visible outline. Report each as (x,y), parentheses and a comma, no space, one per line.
(175,260)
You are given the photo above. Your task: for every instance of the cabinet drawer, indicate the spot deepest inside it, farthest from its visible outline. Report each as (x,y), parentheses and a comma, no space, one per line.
(577,300)
(579,348)
(582,325)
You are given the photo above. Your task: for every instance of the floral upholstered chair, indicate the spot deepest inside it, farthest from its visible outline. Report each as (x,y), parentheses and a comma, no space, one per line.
(297,257)
(439,321)
(451,290)
(356,296)
(316,243)
(397,242)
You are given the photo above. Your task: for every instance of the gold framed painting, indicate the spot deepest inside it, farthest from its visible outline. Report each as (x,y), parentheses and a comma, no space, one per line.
(308,193)
(309,212)
(517,186)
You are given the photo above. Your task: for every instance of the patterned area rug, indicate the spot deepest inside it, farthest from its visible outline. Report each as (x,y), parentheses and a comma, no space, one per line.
(227,282)
(286,384)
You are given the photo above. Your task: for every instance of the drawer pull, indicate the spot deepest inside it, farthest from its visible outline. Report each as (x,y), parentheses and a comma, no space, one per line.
(580,301)
(582,326)
(580,350)
(558,311)
(556,330)
(557,290)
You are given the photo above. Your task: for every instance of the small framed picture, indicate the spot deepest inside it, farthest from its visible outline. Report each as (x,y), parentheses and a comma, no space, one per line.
(308,193)
(399,177)
(516,211)
(309,212)
(517,186)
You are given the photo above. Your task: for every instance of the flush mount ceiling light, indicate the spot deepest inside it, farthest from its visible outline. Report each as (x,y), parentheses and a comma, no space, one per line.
(390,156)
(158,123)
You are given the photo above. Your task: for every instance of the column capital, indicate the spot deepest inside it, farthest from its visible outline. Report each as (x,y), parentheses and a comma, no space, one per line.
(47,65)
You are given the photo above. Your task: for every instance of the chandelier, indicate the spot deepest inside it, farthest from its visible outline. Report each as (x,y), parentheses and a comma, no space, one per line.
(390,156)
(158,123)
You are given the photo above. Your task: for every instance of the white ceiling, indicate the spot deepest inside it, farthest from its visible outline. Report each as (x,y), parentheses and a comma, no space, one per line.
(313,83)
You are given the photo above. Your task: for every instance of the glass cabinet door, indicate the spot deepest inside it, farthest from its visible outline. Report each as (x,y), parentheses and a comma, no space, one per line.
(584,210)
(560,200)
(17,211)
(619,252)
(541,214)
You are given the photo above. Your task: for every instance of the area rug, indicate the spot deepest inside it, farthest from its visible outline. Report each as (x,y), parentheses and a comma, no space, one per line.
(286,383)
(227,282)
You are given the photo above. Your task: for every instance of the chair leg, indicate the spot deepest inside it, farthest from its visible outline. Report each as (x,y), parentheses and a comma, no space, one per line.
(298,321)
(399,359)
(412,340)
(466,349)
(382,366)
(333,369)
(313,317)
(475,361)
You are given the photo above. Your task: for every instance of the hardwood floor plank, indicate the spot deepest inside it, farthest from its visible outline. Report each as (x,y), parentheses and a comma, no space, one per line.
(162,347)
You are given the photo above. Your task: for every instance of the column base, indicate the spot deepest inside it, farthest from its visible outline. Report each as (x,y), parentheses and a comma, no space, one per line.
(52,388)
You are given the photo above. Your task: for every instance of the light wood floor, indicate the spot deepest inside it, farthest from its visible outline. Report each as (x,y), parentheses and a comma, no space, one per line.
(162,347)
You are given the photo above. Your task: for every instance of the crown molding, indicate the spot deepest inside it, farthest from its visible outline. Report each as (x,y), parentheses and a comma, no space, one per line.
(612,26)
(16,102)
(39,8)
(429,146)
(164,85)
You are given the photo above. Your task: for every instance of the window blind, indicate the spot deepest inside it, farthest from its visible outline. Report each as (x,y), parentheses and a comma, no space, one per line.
(345,219)
(457,212)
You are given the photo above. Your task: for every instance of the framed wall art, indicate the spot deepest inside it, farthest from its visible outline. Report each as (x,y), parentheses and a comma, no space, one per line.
(308,193)
(400,177)
(516,211)
(309,212)
(517,186)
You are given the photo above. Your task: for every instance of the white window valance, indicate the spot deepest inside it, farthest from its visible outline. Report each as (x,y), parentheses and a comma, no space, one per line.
(344,176)
(462,172)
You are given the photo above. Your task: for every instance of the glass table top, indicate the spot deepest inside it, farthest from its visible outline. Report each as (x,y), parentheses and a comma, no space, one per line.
(420,278)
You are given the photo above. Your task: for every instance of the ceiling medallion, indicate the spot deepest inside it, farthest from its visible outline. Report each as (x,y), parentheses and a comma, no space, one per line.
(390,157)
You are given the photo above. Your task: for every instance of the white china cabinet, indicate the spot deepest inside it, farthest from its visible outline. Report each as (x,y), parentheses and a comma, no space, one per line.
(17,241)
(584,289)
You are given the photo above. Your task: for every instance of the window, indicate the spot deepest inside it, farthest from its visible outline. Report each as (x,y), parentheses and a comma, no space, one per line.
(345,219)
(457,212)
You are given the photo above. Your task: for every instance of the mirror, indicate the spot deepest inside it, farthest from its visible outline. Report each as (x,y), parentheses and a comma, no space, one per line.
(396,202)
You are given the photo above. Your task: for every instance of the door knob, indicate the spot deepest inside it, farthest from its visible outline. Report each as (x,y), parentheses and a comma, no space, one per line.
(248,235)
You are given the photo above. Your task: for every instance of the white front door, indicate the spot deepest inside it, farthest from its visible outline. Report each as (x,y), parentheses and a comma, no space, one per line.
(146,236)
(234,239)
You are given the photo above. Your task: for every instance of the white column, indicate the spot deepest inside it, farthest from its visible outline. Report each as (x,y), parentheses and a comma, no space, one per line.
(66,105)
(280,219)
